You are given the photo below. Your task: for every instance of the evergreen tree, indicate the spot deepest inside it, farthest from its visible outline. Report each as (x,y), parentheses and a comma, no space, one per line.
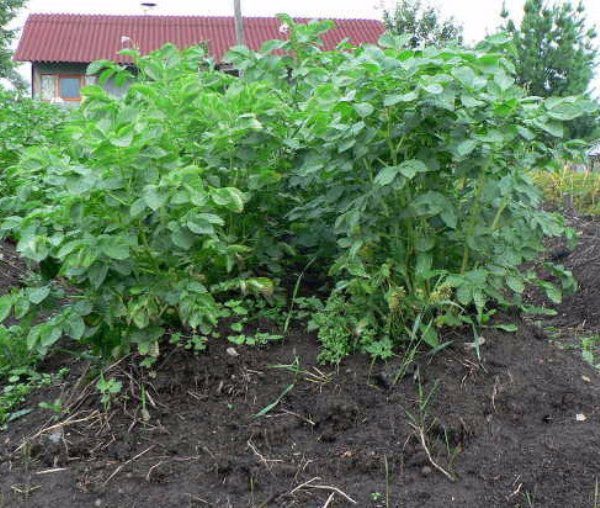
(423,23)
(8,11)
(555,55)
(554,49)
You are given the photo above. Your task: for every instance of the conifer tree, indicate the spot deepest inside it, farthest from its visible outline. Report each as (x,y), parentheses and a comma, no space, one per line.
(423,23)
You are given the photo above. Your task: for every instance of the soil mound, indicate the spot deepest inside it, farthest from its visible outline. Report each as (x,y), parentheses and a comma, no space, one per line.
(271,427)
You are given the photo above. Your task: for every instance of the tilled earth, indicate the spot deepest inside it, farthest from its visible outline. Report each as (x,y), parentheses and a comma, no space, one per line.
(520,427)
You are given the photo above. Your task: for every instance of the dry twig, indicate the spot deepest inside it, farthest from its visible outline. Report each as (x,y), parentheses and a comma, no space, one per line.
(423,441)
(116,471)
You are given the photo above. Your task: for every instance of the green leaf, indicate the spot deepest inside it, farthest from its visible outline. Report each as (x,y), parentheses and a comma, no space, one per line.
(469,101)
(552,292)
(394,41)
(6,302)
(539,311)
(138,207)
(386,176)
(433,88)
(123,138)
(551,127)
(466,147)
(424,243)
(364,109)
(183,238)
(76,327)
(507,327)
(229,197)
(116,249)
(434,203)
(154,198)
(38,295)
(525,133)
(392,100)
(200,226)
(515,283)
(412,167)
(503,80)
(97,274)
(267,409)
(465,75)
(564,108)
(49,334)
(408,169)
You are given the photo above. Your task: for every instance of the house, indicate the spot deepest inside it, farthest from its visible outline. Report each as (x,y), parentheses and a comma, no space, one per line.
(61,46)
(593,157)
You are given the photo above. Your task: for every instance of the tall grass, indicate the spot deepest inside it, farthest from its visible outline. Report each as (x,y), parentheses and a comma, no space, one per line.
(571,189)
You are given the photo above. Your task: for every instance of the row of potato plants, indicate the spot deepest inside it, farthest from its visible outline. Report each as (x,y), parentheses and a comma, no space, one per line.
(399,176)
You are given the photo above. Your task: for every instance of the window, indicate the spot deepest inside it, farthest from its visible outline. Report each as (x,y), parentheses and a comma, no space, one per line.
(69,87)
(61,87)
(48,87)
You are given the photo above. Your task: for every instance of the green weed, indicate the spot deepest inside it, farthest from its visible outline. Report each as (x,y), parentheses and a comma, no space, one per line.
(590,350)
(18,384)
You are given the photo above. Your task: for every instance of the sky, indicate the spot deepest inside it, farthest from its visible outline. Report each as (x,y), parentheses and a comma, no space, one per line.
(478,17)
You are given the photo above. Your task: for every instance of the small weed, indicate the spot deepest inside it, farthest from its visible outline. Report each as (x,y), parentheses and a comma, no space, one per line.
(590,350)
(192,342)
(56,406)
(20,383)
(313,376)
(376,496)
(528,499)
(258,339)
(109,389)
(267,409)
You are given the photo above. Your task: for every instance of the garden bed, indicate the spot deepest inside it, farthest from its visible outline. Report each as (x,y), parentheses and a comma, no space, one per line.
(518,428)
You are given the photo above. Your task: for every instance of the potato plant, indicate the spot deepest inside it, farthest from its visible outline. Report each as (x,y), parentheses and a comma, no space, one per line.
(23,123)
(402,173)
(140,221)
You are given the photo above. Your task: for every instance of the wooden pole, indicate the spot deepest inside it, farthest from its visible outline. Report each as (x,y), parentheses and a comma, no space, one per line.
(239,22)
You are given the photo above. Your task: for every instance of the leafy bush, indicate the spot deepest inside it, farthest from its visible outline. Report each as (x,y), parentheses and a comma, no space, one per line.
(399,174)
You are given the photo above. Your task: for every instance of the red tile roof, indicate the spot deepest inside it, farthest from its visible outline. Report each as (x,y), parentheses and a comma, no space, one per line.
(85,38)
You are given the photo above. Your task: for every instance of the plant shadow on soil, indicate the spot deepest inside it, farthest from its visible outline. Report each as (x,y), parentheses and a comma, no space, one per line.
(518,428)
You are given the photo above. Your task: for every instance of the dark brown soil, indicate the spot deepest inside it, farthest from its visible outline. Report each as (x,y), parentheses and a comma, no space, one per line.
(521,427)
(12,268)
(582,310)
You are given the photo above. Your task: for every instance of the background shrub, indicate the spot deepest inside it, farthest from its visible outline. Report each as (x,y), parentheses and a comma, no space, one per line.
(25,122)
(571,189)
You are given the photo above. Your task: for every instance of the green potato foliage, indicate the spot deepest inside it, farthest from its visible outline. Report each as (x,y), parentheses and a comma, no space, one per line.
(140,221)
(399,174)
(23,123)
(412,169)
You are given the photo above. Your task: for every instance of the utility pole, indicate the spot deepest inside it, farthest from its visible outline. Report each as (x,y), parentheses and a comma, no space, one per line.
(239,22)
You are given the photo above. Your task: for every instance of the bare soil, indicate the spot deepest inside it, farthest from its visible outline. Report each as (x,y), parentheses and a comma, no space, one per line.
(518,427)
